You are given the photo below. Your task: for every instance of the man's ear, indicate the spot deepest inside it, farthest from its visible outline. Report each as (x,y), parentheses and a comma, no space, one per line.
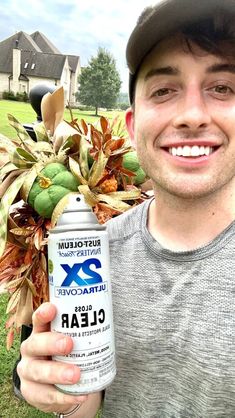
(130,125)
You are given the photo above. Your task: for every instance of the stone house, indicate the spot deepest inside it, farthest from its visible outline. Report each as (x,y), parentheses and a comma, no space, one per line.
(27,60)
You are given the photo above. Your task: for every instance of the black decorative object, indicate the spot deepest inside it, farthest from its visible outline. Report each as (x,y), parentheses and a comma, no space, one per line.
(35,97)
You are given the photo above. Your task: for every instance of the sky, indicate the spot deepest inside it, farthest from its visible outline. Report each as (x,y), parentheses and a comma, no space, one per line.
(77,27)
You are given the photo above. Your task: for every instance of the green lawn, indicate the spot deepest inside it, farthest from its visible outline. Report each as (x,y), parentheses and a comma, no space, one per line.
(25,114)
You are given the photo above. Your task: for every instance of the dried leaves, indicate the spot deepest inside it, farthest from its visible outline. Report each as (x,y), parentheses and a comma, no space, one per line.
(94,154)
(23,268)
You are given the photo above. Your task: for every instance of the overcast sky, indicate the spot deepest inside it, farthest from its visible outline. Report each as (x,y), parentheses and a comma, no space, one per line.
(76,27)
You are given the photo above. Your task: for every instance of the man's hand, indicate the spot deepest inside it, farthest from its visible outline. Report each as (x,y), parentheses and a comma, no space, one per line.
(38,373)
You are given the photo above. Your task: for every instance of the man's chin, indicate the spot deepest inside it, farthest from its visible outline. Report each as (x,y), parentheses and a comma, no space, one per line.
(187,191)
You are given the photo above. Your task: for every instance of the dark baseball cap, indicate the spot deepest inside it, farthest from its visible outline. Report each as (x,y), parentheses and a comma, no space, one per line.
(163,19)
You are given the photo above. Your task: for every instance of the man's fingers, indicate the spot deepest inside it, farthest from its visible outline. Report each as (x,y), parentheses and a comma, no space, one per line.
(43,316)
(49,399)
(46,344)
(38,375)
(42,342)
(43,371)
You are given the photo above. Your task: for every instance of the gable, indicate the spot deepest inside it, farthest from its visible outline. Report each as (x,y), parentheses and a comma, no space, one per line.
(44,43)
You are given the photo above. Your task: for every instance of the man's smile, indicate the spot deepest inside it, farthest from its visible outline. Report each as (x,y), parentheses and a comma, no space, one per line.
(191,151)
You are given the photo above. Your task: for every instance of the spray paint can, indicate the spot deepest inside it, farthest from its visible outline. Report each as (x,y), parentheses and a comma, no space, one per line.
(80,287)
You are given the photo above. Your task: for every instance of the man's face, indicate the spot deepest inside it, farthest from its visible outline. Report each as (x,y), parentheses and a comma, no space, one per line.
(183,124)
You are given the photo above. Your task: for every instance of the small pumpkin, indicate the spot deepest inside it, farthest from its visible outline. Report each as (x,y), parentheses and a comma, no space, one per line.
(52,183)
(140,177)
(131,162)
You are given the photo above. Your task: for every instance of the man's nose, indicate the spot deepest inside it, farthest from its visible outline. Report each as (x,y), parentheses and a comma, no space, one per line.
(192,111)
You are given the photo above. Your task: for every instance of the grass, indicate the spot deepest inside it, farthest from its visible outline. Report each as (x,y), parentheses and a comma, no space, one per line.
(24,113)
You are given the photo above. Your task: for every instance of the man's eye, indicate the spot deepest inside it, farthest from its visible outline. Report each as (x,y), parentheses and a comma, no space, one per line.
(222,89)
(161,92)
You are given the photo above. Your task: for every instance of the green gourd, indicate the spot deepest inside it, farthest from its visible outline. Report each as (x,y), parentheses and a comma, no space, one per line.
(53,183)
(140,176)
(131,162)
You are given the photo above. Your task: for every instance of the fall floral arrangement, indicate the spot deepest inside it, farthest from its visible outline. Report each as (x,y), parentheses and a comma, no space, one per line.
(35,183)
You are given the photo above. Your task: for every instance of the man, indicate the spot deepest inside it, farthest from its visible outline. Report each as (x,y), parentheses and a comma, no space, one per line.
(173,256)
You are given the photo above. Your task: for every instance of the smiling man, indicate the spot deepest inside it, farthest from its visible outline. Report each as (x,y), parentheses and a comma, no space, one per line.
(184,107)
(172,258)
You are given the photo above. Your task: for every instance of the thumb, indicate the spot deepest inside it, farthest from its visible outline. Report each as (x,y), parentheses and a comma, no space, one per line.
(42,317)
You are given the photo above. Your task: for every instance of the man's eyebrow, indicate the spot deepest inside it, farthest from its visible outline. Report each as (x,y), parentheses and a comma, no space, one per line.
(219,68)
(161,71)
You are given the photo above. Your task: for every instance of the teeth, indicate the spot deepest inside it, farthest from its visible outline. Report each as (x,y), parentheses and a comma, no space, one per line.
(187,151)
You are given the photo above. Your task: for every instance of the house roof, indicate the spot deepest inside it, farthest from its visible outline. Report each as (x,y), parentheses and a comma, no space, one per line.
(19,40)
(73,62)
(39,57)
(41,64)
(44,43)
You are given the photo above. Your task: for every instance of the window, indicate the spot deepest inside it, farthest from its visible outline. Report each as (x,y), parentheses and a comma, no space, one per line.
(33,66)
(26,65)
(22,88)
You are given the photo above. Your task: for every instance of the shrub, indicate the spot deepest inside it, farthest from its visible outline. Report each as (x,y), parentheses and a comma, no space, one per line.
(20,97)
(9,95)
(123,106)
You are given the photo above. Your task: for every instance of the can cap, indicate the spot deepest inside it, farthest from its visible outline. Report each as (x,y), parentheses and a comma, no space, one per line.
(76,203)
(78,215)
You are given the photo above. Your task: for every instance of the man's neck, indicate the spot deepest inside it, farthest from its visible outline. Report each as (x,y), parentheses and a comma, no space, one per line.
(183,224)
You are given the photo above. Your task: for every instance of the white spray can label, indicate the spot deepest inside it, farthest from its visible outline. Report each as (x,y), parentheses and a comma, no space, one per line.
(80,287)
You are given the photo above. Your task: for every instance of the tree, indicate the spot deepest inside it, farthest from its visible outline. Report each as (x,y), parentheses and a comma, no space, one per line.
(100,82)
(123,101)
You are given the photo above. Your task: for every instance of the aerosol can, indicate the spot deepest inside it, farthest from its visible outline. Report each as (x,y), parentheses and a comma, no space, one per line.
(80,287)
